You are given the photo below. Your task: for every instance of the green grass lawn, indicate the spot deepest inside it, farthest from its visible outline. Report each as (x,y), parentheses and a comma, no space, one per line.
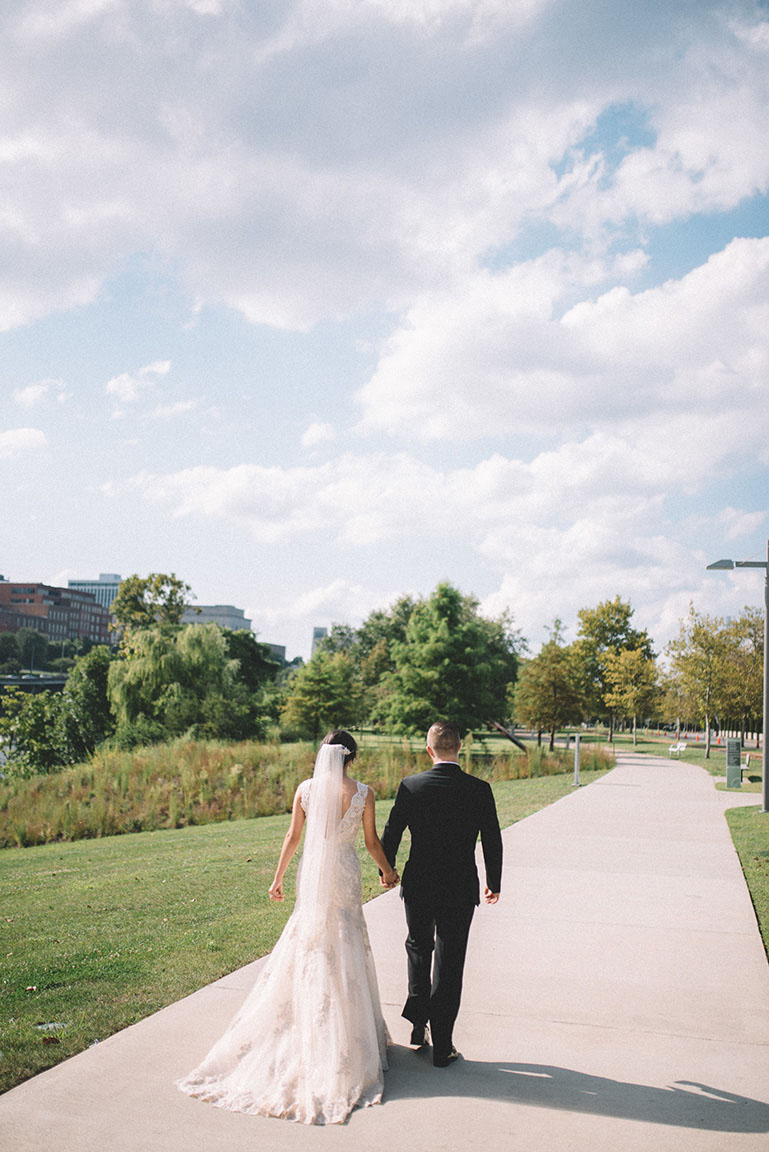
(750,832)
(97,934)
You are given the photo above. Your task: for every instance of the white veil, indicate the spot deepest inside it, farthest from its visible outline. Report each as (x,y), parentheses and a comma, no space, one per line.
(317,875)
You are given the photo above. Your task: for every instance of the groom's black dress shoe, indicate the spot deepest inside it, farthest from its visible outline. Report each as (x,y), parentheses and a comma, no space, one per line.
(420,1035)
(443,1060)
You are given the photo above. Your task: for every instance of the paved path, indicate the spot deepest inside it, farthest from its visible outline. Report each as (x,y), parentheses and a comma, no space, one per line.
(616,999)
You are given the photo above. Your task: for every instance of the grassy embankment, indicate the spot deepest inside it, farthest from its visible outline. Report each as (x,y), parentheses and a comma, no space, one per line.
(99,933)
(186,782)
(750,832)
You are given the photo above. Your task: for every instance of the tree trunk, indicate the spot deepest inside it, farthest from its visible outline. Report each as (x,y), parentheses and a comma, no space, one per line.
(552,739)
(635,738)
(707,737)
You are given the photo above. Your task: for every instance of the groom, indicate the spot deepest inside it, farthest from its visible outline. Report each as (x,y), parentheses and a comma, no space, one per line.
(445,810)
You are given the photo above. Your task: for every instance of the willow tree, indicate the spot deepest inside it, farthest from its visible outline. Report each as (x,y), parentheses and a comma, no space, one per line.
(171,681)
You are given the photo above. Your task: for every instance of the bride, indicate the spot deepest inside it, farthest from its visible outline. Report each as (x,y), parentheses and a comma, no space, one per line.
(309,1043)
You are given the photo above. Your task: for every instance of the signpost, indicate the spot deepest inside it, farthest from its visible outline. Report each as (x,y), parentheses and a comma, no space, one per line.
(733,762)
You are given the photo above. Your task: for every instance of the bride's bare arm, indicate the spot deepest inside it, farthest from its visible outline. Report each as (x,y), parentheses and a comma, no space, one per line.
(290,845)
(374,844)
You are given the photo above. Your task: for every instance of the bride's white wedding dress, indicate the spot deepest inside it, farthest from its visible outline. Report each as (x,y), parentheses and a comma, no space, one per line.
(309,1043)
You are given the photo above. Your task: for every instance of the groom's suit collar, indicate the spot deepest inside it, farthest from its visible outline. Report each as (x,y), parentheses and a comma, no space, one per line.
(446,764)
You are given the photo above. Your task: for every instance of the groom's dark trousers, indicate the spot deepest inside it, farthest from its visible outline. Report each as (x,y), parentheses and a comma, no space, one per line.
(445,810)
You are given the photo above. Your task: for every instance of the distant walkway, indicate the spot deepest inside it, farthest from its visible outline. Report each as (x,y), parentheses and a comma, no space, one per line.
(616,999)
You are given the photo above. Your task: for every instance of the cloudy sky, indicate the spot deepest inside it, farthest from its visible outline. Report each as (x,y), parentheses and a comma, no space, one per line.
(320,302)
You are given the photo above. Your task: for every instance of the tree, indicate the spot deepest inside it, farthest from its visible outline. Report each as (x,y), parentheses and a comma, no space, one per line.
(323,694)
(255,666)
(374,651)
(30,731)
(697,659)
(47,730)
(147,601)
(10,662)
(341,638)
(631,683)
(744,670)
(32,647)
(170,682)
(604,629)
(86,716)
(547,693)
(452,663)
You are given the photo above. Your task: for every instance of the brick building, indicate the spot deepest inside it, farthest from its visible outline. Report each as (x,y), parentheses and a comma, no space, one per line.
(60,613)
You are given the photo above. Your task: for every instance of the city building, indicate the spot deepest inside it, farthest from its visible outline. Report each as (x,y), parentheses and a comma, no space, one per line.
(105,589)
(60,613)
(225,615)
(318,634)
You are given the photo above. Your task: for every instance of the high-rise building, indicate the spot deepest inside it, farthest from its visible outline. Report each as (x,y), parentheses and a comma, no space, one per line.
(105,589)
(225,615)
(318,634)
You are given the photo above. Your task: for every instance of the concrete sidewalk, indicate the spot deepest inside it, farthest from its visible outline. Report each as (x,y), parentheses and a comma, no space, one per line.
(616,998)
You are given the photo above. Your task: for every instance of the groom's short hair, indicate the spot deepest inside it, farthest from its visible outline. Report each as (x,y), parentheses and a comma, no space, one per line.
(444,736)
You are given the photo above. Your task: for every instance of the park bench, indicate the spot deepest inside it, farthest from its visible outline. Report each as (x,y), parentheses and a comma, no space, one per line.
(677,749)
(745,768)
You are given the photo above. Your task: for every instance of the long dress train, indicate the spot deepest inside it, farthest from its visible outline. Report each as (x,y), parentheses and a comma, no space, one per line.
(309,1043)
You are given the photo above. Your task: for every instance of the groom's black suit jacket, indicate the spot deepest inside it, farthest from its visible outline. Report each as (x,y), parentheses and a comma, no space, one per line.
(445,810)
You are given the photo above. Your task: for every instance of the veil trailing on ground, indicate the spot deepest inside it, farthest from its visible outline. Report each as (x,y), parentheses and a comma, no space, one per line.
(317,875)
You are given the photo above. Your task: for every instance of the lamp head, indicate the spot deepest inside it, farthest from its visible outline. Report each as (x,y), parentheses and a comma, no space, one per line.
(721,564)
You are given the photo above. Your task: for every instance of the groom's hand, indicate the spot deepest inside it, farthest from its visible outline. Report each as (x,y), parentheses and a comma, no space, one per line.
(490,897)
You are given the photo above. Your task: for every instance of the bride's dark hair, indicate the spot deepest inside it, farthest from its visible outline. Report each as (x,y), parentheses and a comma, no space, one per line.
(340,736)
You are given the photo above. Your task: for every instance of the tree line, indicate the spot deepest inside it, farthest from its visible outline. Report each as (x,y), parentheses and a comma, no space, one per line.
(712,675)
(404,666)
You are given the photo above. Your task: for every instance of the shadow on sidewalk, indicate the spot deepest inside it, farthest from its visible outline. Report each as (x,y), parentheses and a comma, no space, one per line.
(685,1104)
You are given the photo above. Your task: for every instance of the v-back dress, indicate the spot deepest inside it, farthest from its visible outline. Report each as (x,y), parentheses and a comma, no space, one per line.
(309,1043)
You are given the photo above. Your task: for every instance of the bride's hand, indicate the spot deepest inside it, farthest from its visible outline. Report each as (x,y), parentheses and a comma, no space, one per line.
(390,879)
(276,890)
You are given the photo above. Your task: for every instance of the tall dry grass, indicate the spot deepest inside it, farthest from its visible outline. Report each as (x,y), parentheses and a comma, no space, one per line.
(200,782)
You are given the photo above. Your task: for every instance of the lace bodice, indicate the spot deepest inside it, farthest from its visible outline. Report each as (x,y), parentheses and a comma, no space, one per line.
(346,892)
(350,822)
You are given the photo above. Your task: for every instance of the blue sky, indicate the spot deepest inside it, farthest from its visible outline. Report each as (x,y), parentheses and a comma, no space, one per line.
(318,303)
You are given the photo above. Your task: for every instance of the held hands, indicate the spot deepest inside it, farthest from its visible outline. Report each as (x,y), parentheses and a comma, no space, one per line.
(389,879)
(490,897)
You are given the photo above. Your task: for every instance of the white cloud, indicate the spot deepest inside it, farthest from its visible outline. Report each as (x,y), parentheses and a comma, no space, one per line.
(129,387)
(325,158)
(318,433)
(462,171)
(34,394)
(19,442)
(494,354)
(178,408)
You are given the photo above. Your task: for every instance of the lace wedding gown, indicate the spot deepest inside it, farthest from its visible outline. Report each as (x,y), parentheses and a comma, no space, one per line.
(309,1043)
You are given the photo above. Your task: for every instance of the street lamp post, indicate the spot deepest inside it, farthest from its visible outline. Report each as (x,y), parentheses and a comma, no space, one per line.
(729,564)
